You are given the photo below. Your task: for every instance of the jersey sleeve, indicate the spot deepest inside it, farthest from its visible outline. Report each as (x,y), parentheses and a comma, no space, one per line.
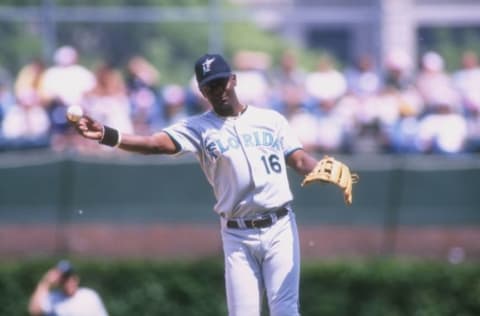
(185,136)
(291,142)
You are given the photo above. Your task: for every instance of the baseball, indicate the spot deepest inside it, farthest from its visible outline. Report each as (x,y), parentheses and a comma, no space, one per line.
(74,113)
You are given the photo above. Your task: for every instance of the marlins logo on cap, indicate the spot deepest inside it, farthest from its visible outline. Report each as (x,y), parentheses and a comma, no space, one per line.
(210,67)
(206,65)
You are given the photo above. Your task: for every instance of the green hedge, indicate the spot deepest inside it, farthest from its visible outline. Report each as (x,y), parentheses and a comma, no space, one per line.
(143,288)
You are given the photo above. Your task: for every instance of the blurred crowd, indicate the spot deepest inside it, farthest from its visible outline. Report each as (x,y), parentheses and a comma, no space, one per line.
(396,107)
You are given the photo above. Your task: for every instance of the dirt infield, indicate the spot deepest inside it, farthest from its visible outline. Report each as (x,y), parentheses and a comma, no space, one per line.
(193,241)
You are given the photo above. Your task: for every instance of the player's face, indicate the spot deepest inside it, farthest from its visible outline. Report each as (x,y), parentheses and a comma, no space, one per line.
(69,285)
(219,93)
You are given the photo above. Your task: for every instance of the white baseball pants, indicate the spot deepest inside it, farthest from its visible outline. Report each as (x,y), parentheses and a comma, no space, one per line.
(262,260)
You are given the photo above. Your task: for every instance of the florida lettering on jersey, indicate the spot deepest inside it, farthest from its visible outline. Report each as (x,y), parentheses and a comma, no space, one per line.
(256,143)
(263,138)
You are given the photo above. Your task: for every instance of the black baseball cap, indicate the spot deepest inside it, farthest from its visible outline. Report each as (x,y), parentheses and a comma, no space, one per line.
(210,67)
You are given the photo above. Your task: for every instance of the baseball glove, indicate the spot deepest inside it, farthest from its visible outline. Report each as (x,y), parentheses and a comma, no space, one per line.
(330,170)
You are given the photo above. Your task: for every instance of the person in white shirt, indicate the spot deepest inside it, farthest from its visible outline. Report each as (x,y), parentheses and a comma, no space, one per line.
(59,294)
(66,81)
(64,84)
(326,83)
(467,82)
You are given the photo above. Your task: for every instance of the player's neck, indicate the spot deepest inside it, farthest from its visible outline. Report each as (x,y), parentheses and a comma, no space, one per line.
(242,108)
(235,111)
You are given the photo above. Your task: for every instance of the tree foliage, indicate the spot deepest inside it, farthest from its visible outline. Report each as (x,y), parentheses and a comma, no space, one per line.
(170,46)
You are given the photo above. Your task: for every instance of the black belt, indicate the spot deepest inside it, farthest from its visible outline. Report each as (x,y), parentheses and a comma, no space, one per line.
(262,221)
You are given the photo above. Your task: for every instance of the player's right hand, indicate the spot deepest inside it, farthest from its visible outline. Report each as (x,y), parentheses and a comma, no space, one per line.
(52,277)
(89,128)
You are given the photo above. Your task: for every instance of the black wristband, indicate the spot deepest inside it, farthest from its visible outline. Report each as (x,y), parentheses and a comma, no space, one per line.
(111,137)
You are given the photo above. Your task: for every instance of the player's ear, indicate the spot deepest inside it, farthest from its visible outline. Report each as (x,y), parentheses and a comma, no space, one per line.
(232,81)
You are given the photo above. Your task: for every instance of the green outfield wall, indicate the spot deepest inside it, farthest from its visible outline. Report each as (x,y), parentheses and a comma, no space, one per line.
(46,188)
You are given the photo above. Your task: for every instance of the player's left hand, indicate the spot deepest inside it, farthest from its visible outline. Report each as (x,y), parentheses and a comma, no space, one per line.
(330,170)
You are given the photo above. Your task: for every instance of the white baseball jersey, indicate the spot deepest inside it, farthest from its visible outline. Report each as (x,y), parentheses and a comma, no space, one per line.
(242,157)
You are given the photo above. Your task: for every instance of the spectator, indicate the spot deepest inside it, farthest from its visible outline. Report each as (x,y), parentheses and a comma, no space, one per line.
(442,130)
(7,98)
(142,88)
(433,83)
(108,102)
(174,98)
(400,133)
(467,82)
(398,70)
(7,101)
(288,80)
(334,128)
(473,133)
(302,122)
(362,79)
(289,72)
(399,80)
(69,299)
(26,124)
(326,83)
(195,101)
(29,78)
(63,84)
(251,68)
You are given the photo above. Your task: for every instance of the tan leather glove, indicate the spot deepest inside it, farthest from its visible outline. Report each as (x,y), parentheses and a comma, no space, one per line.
(330,170)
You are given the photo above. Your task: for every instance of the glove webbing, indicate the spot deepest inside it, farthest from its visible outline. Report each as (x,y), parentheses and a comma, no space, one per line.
(341,174)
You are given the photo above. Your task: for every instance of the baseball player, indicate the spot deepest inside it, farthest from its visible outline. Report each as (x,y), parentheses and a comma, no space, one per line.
(244,152)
